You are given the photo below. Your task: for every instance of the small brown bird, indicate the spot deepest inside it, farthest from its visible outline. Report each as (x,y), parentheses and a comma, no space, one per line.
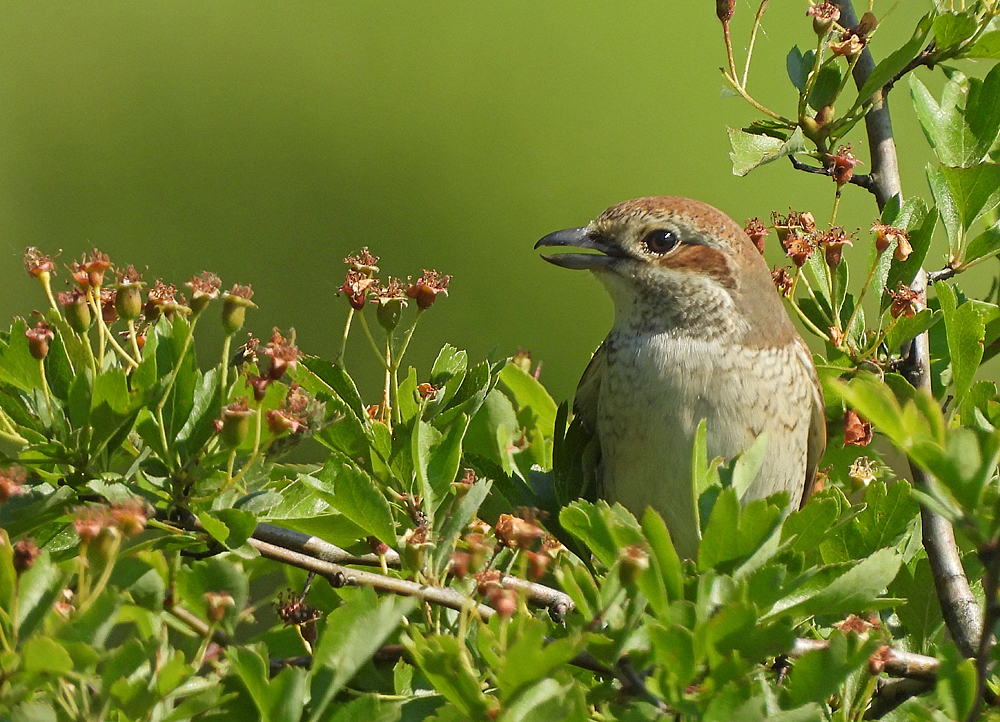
(699,333)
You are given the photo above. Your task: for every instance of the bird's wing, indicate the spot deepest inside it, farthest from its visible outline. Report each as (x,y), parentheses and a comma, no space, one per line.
(589,389)
(817,426)
(585,410)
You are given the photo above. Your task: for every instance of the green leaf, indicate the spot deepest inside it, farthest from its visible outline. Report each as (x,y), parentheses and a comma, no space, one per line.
(445,458)
(354,632)
(851,592)
(963,195)
(547,699)
(349,490)
(988,46)
(918,221)
(965,329)
(985,245)
(424,438)
(603,529)
(906,328)
(732,535)
(441,660)
(528,393)
(17,367)
(457,521)
(338,381)
(531,657)
(825,87)
(750,151)
(964,126)
(39,589)
(240,524)
(798,66)
(895,61)
(43,654)
(953,28)
(663,580)
(956,682)
(820,673)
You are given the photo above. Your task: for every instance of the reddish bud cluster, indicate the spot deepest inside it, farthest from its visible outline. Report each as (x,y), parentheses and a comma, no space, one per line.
(292,415)
(854,40)
(283,352)
(293,610)
(25,554)
(216,604)
(129,517)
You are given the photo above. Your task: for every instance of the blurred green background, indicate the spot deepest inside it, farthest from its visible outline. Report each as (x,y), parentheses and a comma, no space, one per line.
(265,141)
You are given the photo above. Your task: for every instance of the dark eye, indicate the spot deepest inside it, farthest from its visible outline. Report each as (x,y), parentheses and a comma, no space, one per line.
(659,241)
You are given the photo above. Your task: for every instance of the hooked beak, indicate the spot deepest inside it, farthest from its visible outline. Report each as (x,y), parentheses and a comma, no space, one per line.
(606,258)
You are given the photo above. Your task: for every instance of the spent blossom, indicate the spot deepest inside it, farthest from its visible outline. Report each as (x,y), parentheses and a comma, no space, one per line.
(426,288)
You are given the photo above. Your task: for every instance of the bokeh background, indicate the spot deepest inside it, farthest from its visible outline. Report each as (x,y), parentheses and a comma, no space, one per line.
(265,141)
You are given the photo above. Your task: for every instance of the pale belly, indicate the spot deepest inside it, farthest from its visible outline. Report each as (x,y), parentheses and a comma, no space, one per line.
(654,394)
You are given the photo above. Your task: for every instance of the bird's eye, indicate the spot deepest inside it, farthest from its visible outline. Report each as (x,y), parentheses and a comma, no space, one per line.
(659,241)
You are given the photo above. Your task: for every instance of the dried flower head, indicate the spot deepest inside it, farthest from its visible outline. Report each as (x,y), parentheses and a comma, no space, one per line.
(837,336)
(216,604)
(37,264)
(259,385)
(842,164)
(632,562)
(857,429)
(427,392)
(204,288)
(824,15)
(89,521)
(756,230)
(904,302)
(25,554)
(355,287)
(293,610)
(109,310)
(235,303)
(797,247)
(11,482)
(832,242)
(363,263)
(39,337)
(782,281)
(129,516)
(283,353)
(292,415)
(426,289)
(89,271)
(513,532)
(162,299)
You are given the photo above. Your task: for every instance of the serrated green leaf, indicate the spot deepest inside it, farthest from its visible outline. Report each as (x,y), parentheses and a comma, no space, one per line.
(751,151)
(965,329)
(988,46)
(44,654)
(906,328)
(348,489)
(953,28)
(895,61)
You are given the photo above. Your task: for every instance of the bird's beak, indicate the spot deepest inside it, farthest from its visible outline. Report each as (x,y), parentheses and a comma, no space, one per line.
(605,259)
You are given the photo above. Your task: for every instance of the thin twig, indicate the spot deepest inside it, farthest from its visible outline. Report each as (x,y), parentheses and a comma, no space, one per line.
(340,576)
(989,554)
(862,180)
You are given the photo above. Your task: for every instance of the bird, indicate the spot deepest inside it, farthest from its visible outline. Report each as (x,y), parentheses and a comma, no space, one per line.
(699,332)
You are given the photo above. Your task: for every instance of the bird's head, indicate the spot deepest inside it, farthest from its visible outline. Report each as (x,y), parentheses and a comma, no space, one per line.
(673,263)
